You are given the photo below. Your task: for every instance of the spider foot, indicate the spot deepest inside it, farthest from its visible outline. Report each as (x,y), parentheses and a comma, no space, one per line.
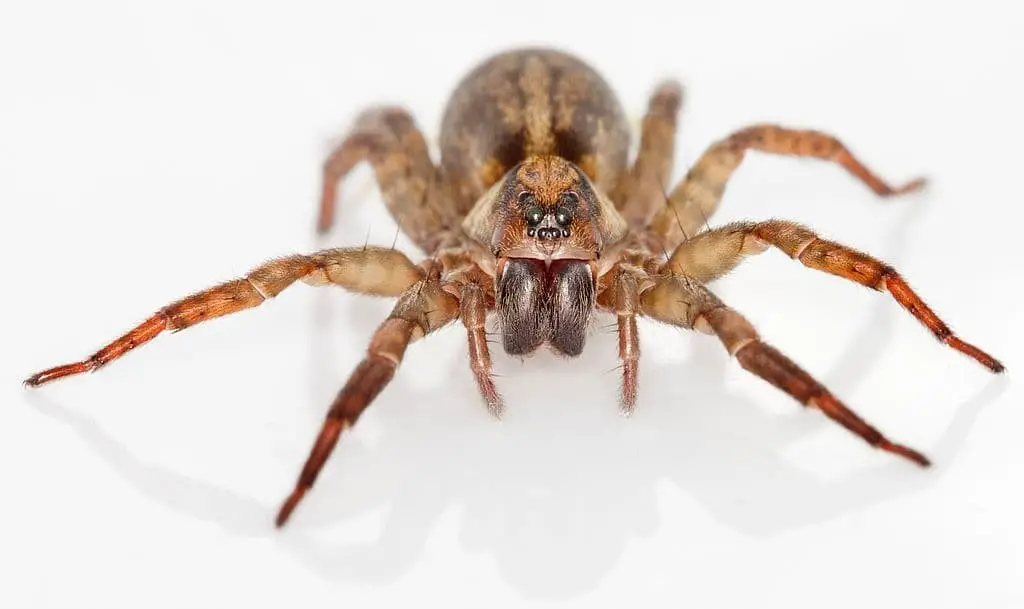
(289,506)
(914,185)
(905,452)
(52,374)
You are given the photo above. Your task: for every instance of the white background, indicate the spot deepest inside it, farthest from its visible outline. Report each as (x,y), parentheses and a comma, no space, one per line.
(147,151)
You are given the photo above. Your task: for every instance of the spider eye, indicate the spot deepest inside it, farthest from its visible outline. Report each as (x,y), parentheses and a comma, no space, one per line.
(566,205)
(534,216)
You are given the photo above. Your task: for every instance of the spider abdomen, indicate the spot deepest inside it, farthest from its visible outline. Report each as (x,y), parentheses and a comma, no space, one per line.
(530,102)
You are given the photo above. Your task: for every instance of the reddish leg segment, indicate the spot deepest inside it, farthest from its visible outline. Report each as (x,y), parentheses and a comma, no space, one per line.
(424,308)
(714,253)
(473,314)
(683,302)
(369,270)
(696,198)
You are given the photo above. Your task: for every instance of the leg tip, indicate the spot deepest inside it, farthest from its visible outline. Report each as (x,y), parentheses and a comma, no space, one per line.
(39,378)
(995,366)
(326,214)
(289,506)
(907,453)
(497,410)
(52,374)
(915,185)
(627,404)
(667,99)
(492,399)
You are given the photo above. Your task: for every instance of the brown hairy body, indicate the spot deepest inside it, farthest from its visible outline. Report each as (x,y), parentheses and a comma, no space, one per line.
(536,214)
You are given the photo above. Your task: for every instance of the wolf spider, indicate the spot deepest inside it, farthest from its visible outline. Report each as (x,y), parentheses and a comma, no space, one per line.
(536,213)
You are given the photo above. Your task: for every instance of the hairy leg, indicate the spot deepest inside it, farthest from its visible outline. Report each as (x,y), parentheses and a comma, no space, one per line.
(642,192)
(714,253)
(370,270)
(627,306)
(683,302)
(473,313)
(388,138)
(619,293)
(422,309)
(697,196)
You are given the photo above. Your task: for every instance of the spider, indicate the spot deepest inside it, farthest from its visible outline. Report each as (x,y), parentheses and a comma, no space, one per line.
(537,214)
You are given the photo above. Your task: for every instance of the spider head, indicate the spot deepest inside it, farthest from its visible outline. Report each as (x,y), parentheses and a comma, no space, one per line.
(546,225)
(545,208)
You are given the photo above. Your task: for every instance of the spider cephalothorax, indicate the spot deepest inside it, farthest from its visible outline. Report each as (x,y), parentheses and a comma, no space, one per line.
(547,226)
(536,214)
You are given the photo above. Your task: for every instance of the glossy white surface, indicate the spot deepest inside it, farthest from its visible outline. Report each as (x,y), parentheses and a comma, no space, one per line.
(149,152)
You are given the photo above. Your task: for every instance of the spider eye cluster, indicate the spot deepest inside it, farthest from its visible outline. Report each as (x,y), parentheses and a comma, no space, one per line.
(535,215)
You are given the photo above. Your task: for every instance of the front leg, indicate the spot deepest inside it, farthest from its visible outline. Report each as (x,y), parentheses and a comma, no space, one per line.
(622,297)
(474,306)
(696,198)
(422,309)
(369,270)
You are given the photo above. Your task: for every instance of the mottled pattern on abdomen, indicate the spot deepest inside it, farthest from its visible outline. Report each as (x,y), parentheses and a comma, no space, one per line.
(530,102)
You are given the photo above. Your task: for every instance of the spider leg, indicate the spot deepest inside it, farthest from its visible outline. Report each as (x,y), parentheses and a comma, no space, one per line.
(473,313)
(683,302)
(388,138)
(697,196)
(714,253)
(422,309)
(626,304)
(642,191)
(369,270)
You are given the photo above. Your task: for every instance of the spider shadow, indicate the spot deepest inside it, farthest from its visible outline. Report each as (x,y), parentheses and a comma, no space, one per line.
(235,513)
(552,494)
(551,500)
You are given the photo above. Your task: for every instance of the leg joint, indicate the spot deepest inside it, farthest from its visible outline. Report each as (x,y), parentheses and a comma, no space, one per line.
(800,249)
(741,344)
